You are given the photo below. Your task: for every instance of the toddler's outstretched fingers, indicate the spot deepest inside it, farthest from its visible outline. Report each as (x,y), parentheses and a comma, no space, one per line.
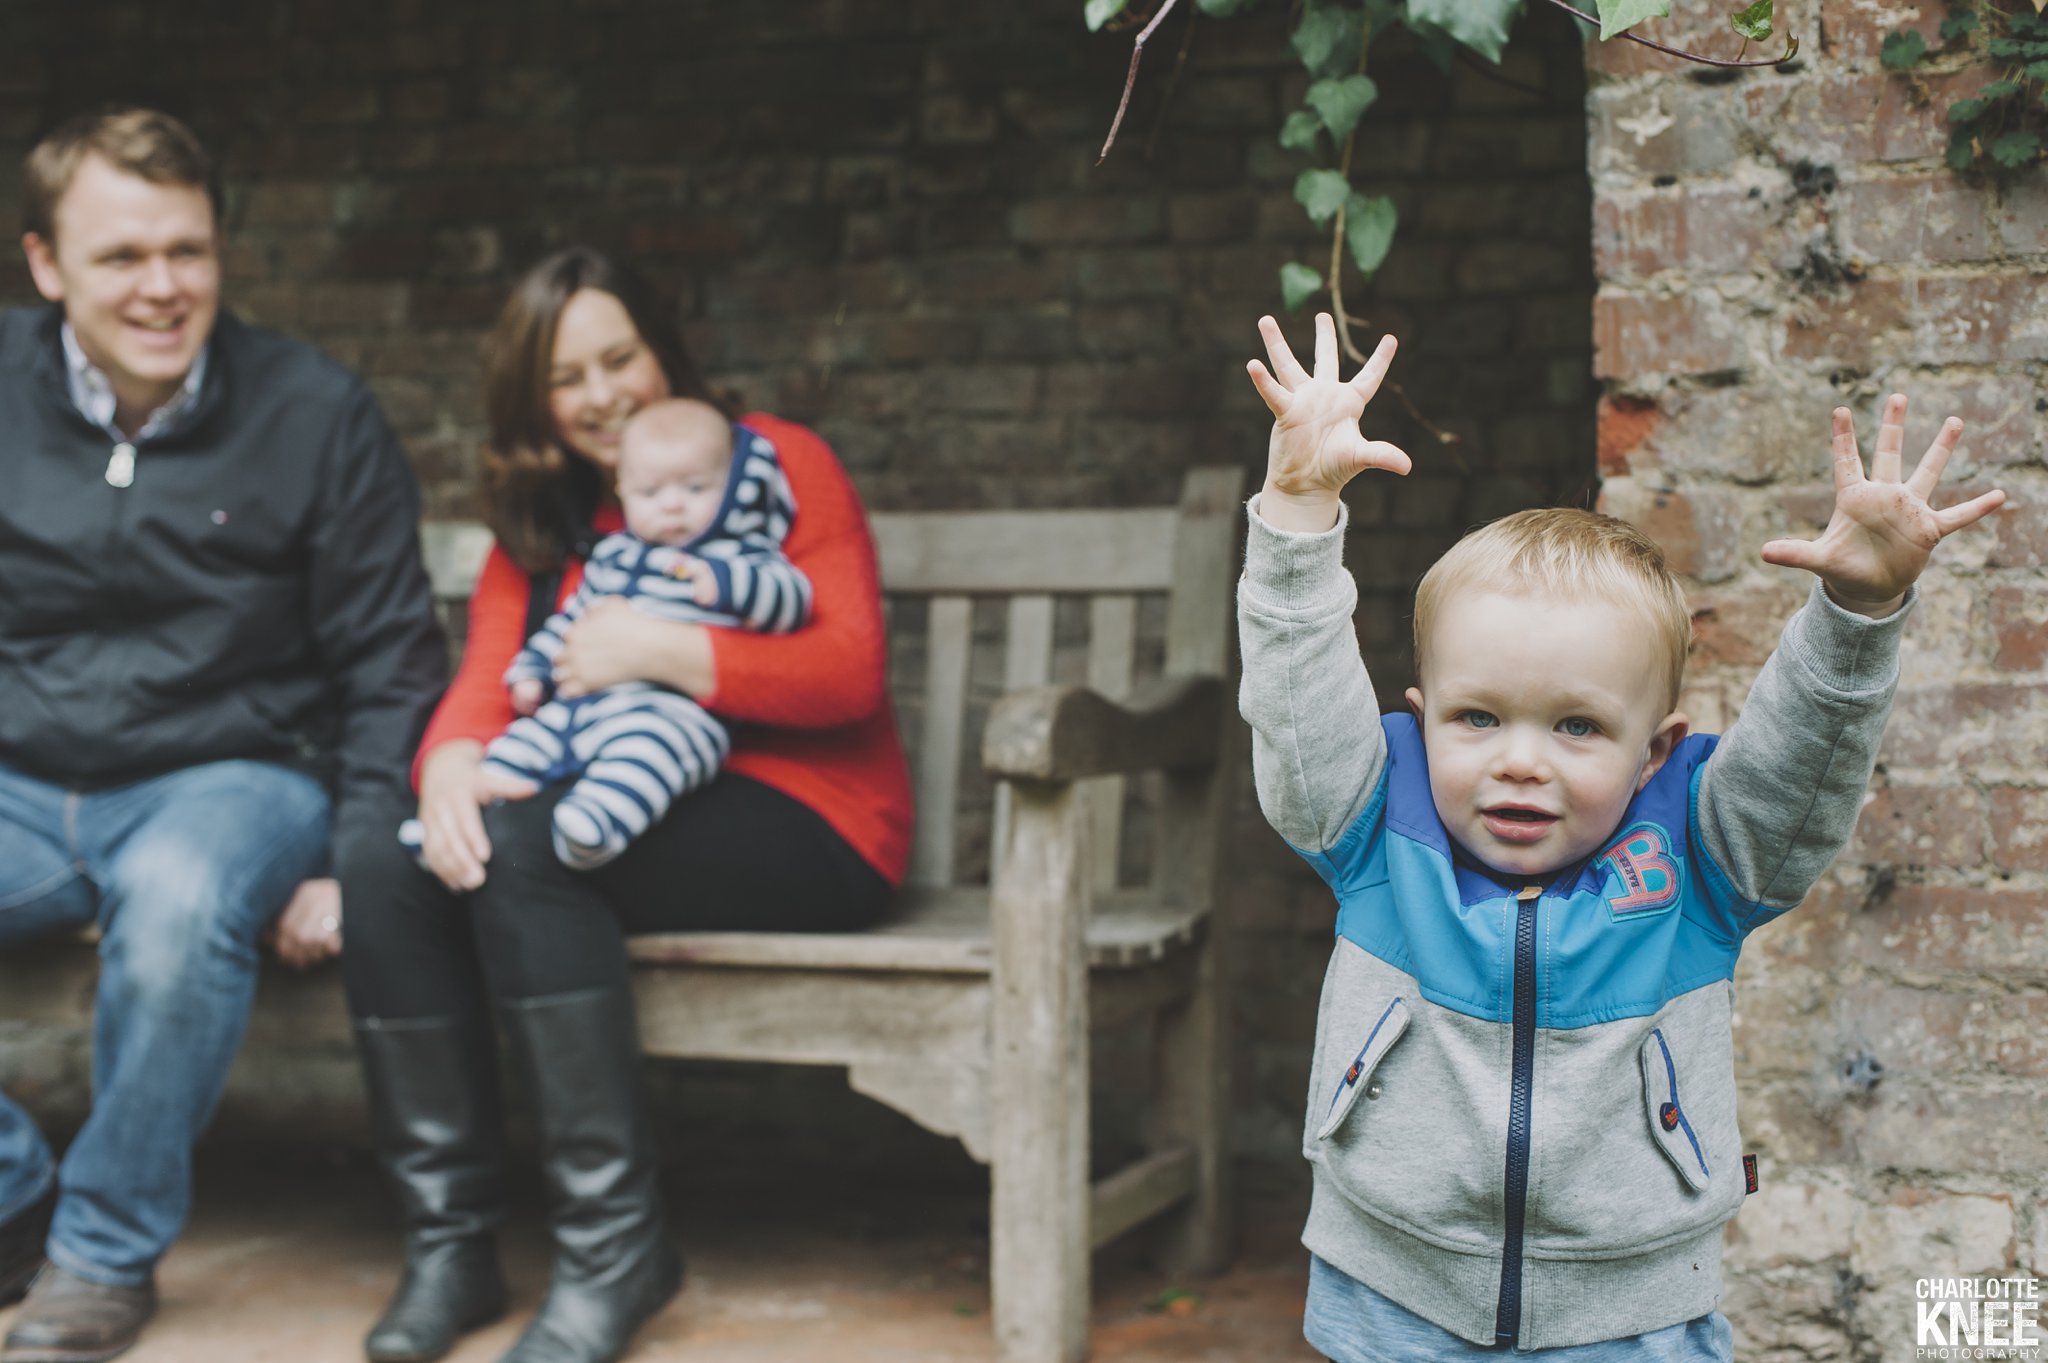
(1791,554)
(1268,386)
(1381,454)
(1326,346)
(1368,380)
(1963,514)
(1848,460)
(1285,366)
(1928,472)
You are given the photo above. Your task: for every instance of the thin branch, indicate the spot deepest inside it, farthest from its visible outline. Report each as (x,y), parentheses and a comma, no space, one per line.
(1791,45)
(1447,439)
(1180,64)
(1131,79)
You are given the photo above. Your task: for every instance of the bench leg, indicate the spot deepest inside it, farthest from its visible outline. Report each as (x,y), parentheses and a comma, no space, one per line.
(1038,1258)
(1194,1111)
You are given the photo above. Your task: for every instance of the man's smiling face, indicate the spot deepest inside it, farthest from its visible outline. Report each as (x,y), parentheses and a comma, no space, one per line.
(136,265)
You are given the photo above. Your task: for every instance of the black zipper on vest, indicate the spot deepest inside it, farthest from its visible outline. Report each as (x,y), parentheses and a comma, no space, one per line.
(1507,1320)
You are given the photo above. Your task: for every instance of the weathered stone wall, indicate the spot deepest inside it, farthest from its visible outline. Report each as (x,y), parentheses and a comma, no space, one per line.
(883,217)
(1769,246)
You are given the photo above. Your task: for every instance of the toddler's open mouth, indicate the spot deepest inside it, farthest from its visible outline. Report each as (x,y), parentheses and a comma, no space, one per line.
(1517,823)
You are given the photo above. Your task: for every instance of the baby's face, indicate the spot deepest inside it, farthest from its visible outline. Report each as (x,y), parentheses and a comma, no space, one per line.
(1541,720)
(670,490)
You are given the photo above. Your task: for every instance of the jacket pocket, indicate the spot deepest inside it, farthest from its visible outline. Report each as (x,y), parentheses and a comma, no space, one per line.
(1664,1102)
(1357,1076)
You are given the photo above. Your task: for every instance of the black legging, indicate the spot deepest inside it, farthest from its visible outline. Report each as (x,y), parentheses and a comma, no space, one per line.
(735,855)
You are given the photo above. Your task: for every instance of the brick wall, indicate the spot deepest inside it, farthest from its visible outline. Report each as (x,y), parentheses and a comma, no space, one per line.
(883,217)
(1770,246)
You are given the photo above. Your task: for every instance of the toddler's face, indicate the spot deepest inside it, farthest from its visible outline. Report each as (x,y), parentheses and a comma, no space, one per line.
(1541,720)
(670,490)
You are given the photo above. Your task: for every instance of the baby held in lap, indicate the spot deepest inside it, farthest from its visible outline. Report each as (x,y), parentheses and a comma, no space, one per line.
(707,508)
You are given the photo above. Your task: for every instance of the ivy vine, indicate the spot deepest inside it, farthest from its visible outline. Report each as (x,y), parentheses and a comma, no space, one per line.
(1332,39)
(2001,129)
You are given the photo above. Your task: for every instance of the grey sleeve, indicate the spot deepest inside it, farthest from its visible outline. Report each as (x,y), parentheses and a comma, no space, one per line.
(1780,794)
(1317,748)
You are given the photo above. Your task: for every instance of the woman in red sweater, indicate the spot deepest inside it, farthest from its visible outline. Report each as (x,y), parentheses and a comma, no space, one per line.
(807,828)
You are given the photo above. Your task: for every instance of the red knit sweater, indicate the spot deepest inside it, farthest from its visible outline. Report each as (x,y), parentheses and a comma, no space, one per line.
(809,710)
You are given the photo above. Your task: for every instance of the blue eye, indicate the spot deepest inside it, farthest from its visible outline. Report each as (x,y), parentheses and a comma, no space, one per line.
(1478,719)
(1579,728)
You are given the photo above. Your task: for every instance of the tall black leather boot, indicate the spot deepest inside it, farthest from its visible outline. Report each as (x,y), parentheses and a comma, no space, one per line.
(614,1266)
(439,1127)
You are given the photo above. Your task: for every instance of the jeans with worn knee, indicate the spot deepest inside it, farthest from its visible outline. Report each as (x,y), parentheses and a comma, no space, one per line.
(182,873)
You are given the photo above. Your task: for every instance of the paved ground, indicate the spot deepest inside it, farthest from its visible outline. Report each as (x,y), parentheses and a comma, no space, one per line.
(287,1264)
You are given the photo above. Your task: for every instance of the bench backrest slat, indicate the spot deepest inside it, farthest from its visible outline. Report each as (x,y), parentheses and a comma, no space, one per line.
(948,636)
(1112,654)
(1026,551)
(936,564)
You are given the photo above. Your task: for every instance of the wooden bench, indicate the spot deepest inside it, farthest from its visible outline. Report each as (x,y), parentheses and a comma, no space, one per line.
(970,1010)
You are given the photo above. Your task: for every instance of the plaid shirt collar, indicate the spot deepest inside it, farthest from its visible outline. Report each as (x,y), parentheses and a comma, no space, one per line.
(93,393)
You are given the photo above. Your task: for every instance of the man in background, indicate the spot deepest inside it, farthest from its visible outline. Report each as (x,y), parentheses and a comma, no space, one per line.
(216,649)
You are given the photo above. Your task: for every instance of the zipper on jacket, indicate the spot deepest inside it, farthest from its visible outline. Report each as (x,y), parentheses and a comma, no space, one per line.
(1507,1319)
(121,465)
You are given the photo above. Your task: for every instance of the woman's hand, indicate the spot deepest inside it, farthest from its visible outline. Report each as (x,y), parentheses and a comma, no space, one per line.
(1884,527)
(452,793)
(1317,447)
(612,643)
(309,930)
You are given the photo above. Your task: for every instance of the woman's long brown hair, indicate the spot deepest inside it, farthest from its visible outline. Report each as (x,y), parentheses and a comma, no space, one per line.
(537,496)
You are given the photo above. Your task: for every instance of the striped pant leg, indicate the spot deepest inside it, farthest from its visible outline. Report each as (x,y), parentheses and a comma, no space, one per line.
(532,745)
(639,753)
(526,751)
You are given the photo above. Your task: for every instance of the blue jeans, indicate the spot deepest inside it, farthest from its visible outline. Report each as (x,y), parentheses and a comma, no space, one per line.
(182,873)
(1351,1323)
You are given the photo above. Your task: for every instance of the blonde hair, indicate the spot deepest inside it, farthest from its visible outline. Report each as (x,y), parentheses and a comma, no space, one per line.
(1571,555)
(141,142)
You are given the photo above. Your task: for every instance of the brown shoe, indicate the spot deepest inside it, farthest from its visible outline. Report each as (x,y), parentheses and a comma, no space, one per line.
(21,1245)
(67,1319)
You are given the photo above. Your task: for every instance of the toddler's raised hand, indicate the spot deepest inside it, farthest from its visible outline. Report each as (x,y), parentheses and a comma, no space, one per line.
(1883,528)
(1316,447)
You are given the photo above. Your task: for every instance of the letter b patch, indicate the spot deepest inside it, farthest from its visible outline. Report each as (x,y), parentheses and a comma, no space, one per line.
(1649,878)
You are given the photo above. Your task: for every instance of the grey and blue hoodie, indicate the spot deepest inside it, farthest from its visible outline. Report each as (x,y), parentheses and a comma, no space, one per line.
(1521,1111)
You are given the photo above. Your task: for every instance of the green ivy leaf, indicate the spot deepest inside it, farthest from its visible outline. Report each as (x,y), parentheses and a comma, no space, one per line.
(1902,50)
(1753,23)
(1322,193)
(2015,149)
(1481,25)
(1999,89)
(1966,111)
(1341,102)
(1222,9)
(1298,284)
(1437,45)
(2037,70)
(1301,132)
(2008,47)
(1959,26)
(1327,39)
(1369,230)
(1616,15)
(1962,149)
(1100,12)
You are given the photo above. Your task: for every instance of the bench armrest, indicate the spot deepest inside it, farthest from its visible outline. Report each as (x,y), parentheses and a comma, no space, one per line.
(1065,733)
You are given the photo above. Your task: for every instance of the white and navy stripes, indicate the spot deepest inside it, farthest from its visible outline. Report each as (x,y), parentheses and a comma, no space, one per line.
(741,552)
(633,749)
